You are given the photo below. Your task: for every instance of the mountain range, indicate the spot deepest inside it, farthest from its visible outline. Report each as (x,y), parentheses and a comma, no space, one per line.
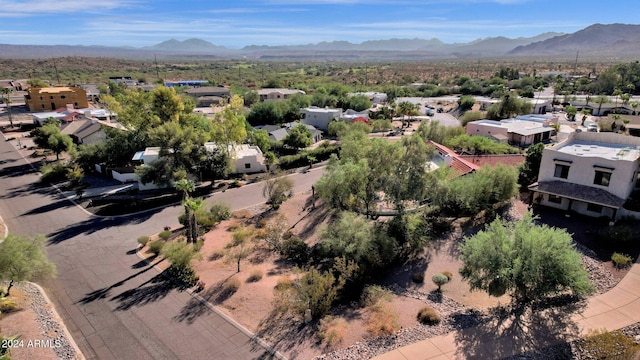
(598,40)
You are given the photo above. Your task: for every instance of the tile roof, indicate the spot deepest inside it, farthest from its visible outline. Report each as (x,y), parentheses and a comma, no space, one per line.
(578,192)
(459,165)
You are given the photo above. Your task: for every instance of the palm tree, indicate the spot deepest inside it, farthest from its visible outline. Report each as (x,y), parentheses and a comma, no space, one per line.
(191,209)
(556,128)
(540,89)
(186,186)
(5,96)
(405,108)
(617,92)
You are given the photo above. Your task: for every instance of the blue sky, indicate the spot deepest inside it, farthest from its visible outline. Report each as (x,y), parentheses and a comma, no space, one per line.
(236,24)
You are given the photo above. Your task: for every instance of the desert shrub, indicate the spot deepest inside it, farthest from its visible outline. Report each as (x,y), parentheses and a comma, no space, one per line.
(284,283)
(186,275)
(256,275)
(470,116)
(448,274)
(165,235)
(143,240)
(417,278)
(600,344)
(230,287)
(382,319)
(332,331)
(440,279)
(373,294)
(198,245)
(216,254)
(428,316)
(53,172)
(155,247)
(621,261)
(262,223)
(220,212)
(296,250)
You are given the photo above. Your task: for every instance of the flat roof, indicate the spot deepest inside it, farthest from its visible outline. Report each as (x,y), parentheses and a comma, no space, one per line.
(601,150)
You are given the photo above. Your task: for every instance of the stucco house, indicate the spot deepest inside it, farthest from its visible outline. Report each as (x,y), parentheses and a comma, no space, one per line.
(278,94)
(523,130)
(319,117)
(245,159)
(589,173)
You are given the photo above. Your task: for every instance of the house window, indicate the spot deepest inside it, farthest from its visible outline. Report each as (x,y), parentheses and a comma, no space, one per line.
(555,199)
(594,208)
(562,171)
(62,97)
(51,97)
(602,178)
(247,165)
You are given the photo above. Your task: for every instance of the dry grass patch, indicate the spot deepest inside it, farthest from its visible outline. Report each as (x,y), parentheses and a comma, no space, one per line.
(332,331)
(382,319)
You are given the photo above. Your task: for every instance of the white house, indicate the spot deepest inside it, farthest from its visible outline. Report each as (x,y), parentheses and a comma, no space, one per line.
(319,117)
(522,130)
(245,158)
(589,173)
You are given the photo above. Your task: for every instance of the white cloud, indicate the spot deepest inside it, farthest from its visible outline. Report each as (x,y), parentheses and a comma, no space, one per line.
(37,7)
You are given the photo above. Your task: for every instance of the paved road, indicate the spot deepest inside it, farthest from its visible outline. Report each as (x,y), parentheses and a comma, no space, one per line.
(115,306)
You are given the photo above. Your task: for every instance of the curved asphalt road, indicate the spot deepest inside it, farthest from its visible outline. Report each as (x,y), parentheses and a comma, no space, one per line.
(116,306)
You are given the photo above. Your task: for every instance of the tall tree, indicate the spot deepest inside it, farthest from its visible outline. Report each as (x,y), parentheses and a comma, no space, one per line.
(531,166)
(166,104)
(525,260)
(405,109)
(4,95)
(50,137)
(299,137)
(229,125)
(24,259)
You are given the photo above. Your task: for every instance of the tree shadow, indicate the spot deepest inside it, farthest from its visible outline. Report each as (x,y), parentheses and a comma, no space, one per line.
(197,306)
(318,215)
(286,333)
(95,224)
(154,289)
(104,292)
(27,189)
(518,330)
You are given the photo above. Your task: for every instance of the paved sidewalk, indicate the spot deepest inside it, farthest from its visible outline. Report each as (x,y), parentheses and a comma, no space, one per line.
(615,309)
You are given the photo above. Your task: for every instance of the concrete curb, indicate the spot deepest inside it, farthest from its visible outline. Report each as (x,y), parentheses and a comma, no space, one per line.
(230,320)
(58,319)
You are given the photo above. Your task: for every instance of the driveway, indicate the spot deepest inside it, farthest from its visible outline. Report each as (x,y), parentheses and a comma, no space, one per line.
(115,306)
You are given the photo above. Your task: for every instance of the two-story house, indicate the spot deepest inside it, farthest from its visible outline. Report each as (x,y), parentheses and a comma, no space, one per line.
(589,173)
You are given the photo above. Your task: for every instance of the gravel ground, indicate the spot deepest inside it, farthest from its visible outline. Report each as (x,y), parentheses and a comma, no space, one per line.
(48,322)
(456,317)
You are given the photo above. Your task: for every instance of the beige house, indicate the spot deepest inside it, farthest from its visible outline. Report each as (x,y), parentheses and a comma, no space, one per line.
(589,173)
(319,117)
(522,130)
(278,94)
(52,98)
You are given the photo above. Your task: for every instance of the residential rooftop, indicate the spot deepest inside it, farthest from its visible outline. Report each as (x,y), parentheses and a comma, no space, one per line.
(601,150)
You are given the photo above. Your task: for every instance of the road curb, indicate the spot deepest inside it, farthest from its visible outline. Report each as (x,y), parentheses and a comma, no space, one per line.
(58,319)
(269,348)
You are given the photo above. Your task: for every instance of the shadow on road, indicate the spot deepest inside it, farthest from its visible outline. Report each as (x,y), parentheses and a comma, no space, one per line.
(154,289)
(95,224)
(104,292)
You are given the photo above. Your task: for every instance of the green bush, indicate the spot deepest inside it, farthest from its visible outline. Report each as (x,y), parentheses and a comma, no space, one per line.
(53,173)
(621,261)
(155,247)
(296,250)
(617,234)
(186,275)
(417,278)
(143,240)
(256,275)
(440,279)
(220,212)
(373,294)
(165,235)
(428,316)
